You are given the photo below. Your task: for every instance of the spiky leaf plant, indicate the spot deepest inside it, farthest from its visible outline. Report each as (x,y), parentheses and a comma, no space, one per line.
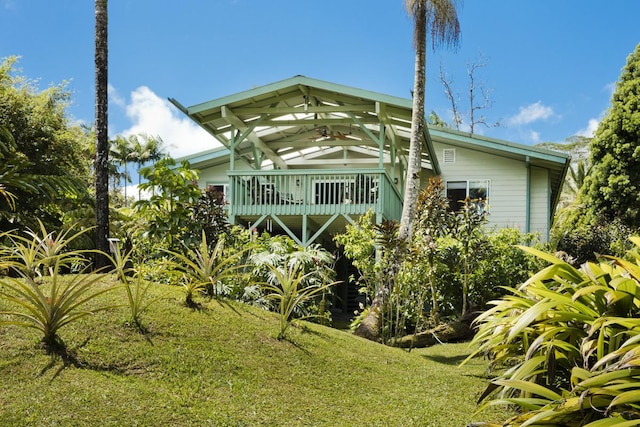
(135,285)
(205,270)
(571,341)
(49,306)
(290,288)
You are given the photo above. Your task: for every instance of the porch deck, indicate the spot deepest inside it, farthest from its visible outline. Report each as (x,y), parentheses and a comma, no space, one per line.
(309,203)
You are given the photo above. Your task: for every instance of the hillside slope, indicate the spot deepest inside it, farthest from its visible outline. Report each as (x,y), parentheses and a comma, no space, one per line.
(221,365)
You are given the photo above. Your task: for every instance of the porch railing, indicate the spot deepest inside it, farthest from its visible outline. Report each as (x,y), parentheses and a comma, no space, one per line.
(313,192)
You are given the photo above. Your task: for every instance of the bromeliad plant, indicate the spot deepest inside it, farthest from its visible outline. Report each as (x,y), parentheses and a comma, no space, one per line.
(32,254)
(570,341)
(52,301)
(204,270)
(135,285)
(291,289)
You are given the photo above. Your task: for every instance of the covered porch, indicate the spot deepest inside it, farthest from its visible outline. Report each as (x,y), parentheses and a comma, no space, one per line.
(304,157)
(307,204)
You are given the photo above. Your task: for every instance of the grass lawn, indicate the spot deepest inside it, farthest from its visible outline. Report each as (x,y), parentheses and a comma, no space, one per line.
(221,365)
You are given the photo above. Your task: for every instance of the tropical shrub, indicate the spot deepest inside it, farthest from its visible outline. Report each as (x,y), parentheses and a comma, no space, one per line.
(204,270)
(44,299)
(448,250)
(45,160)
(567,343)
(314,263)
(291,289)
(587,242)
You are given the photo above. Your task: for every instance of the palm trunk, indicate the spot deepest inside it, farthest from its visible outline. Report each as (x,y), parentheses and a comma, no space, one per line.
(102,138)
(370,325)
(414,163)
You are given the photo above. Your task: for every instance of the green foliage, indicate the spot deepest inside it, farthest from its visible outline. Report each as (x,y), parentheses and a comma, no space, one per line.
(53,301)
(452,259)
(434,220)
(136,287)
(291,289)
(611,189)
(358,244)
(166,213)
(45,162)
(313,262)
(33,255)
(204,270)
(569,339)
(469,232)
(176,214)
(587,242)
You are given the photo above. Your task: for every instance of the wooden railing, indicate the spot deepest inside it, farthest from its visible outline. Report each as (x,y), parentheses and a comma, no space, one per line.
(313,192)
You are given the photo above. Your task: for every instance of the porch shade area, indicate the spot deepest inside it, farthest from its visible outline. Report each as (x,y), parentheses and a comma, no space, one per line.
(308,156)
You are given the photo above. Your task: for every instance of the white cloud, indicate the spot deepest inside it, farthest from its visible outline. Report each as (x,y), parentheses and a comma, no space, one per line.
(590,129)
(531,113)
(115,97)
(534,137)
(155,116)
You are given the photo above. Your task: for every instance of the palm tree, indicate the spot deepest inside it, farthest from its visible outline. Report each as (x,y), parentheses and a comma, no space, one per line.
(440,17)
(121,149)
(149,150)
(102,138)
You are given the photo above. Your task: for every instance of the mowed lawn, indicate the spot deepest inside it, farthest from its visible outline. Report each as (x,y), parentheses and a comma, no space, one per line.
(221,365)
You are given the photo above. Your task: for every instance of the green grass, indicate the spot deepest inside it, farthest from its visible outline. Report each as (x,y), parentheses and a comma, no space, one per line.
(221,365)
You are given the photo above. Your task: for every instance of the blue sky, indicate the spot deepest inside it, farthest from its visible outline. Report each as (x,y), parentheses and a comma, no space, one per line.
(551,65)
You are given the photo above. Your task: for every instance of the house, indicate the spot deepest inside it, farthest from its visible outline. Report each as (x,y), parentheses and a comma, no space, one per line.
(305,157)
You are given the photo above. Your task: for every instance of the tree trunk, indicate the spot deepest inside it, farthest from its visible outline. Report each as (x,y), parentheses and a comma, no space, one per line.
(102,137)
(414,163)
(457,330)
(370,326)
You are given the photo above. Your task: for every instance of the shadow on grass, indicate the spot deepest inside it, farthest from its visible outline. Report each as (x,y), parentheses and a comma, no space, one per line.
(295,344)
(69,358)
(446,360)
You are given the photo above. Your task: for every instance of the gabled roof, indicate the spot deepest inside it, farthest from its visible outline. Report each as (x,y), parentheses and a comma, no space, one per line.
(296,116)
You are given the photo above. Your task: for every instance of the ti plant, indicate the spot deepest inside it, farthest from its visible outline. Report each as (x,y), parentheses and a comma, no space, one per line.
(53,301)
(570,339)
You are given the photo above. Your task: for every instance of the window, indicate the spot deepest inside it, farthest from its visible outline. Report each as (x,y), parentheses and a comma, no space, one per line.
(476,190)
(221,191)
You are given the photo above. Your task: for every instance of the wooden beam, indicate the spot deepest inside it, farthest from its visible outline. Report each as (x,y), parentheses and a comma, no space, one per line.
(319,121)
(230,117)
(310,109)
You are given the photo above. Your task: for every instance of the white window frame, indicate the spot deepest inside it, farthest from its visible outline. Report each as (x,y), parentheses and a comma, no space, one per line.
(468,187)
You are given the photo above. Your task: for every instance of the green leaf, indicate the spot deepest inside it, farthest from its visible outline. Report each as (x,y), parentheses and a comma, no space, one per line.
(626,397)
(529,387)
(613,422)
